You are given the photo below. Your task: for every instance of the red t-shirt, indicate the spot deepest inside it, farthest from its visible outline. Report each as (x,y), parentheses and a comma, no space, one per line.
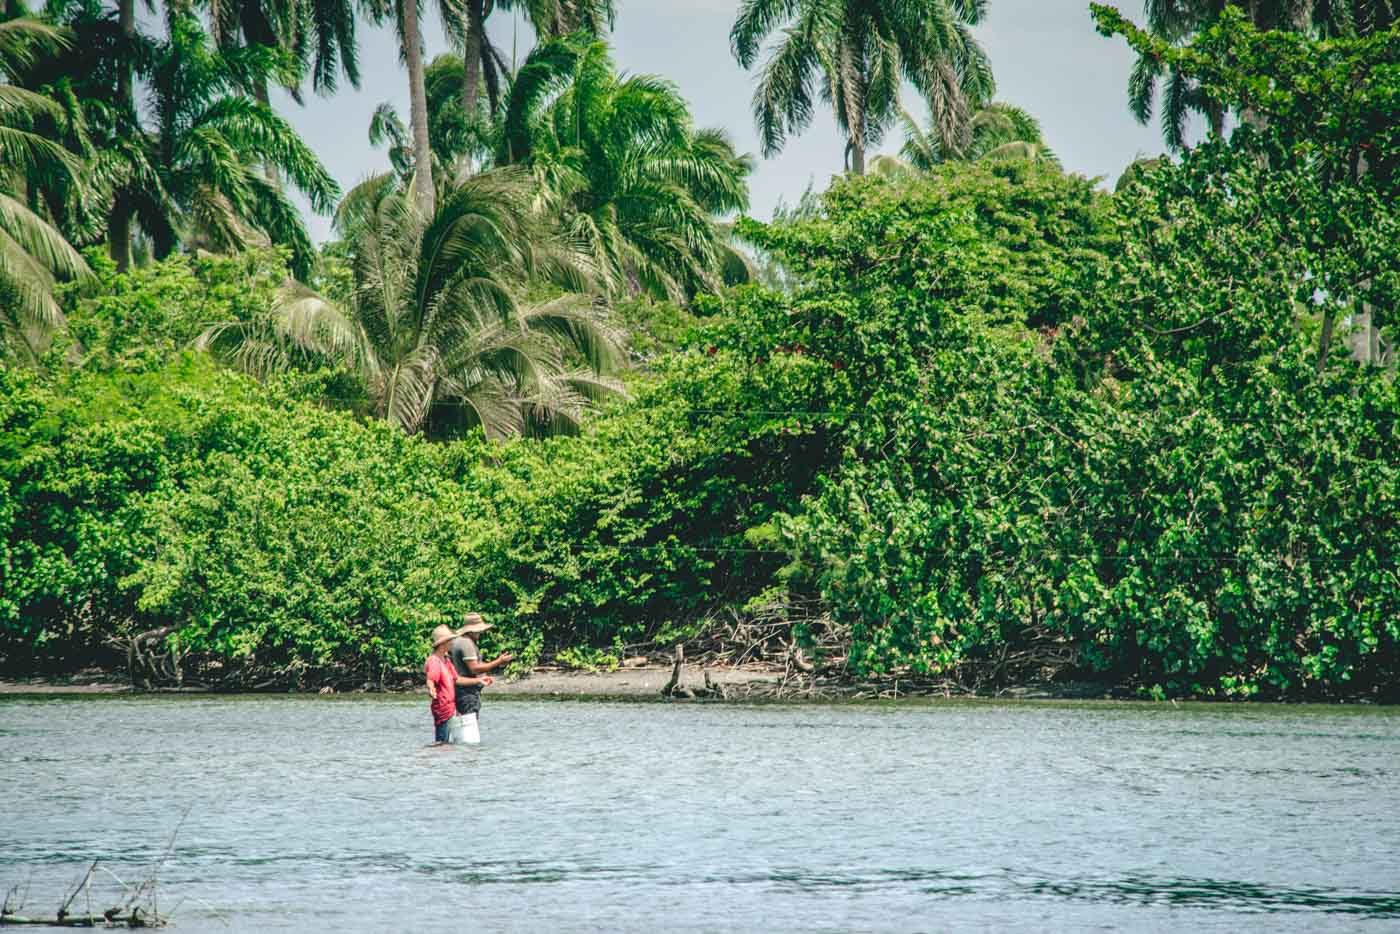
(443,677)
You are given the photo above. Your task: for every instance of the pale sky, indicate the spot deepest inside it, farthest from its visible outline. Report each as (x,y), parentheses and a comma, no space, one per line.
(1045,54)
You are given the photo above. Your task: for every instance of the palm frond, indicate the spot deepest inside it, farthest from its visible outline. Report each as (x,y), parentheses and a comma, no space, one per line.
(33,258)
(577,322)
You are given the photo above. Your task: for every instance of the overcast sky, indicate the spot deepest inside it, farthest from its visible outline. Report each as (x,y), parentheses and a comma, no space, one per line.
(1045,53)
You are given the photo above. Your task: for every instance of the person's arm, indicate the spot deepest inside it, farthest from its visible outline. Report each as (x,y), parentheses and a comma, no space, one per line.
(485,681)
(432,691)
(477,667)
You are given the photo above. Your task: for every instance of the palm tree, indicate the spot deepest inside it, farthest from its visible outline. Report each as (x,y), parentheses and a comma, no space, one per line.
(319,34)
(196,174)
(862,50)
(550,19)
(34,256)
(209,143)
(996,131)
(622,161)
(436,320)
(451,137)
(1355,17)
(93,74)
(1176,21)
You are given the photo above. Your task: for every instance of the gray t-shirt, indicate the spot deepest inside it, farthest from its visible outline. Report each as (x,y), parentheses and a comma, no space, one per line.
(468,697)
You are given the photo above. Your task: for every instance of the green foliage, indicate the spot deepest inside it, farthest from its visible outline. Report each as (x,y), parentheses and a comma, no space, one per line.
(997,425)
(855,56)
(435,325)
(34,256)
(994,131)
(272,535)
(191,166)
(588,659)
(630,174)
(141,319)
(1166,484)
(651,327)
(251,522)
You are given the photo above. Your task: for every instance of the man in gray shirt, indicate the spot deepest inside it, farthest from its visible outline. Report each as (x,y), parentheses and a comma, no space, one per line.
(466,658)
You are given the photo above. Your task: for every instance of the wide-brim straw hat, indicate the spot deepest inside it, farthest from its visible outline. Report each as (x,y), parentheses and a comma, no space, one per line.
(475,624)
(444,633)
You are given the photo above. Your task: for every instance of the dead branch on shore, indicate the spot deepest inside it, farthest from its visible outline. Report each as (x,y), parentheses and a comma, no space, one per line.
(675,687)
(138,907)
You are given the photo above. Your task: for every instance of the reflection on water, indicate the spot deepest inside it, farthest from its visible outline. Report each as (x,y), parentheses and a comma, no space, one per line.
(320,813)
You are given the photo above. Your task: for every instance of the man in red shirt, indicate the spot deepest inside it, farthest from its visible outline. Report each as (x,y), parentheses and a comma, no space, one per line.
(442,685)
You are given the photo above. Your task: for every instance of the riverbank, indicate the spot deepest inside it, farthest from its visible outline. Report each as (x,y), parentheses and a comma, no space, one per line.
(638,682)
(634,682)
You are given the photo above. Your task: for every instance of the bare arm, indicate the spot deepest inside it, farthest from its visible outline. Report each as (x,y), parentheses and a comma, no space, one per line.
(478,667)
(470,682)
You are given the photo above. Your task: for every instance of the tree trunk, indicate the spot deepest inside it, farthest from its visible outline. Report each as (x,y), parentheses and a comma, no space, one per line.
(471,57)
(1215,114)
(119,234)
(855,108)
(126,20)
(857,156)
(261,95)
(1366,339)
(119,223)
(418,108)
(1300,16)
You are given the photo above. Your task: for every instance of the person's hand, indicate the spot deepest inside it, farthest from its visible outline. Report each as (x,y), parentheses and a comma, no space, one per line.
(487,681)
(505,658)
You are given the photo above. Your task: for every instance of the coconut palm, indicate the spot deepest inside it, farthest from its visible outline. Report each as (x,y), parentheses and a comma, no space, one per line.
(318,34)
(996,131)
(436,320)
(34,256)
(97,72)
(623,163)
(853,54)
(90,75)
(189,170)
(1355,17)
(209,143)
(1176,21)
(550,19)
(451,137)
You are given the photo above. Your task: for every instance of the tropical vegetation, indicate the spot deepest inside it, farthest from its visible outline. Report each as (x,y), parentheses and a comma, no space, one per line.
(853,56)
(964,420)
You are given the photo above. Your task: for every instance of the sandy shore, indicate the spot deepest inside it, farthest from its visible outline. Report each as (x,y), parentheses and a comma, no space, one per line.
(41,686)
(635,682)
(630,682)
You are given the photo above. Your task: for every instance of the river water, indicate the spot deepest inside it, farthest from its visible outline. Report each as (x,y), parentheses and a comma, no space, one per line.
(306,813)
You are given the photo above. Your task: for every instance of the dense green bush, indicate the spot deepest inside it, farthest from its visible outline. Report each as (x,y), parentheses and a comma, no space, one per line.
(1178,480)
(263,529)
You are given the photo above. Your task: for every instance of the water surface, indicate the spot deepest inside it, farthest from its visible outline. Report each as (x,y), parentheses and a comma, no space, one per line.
(309,813)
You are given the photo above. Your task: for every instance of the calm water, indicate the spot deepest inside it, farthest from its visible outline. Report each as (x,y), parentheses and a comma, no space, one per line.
(330,814)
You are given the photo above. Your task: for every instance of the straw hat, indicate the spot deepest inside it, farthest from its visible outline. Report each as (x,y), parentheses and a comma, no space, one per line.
(444,633)
(474,624)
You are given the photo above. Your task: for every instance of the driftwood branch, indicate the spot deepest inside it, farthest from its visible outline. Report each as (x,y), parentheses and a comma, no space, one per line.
(111,918)
(674,686)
